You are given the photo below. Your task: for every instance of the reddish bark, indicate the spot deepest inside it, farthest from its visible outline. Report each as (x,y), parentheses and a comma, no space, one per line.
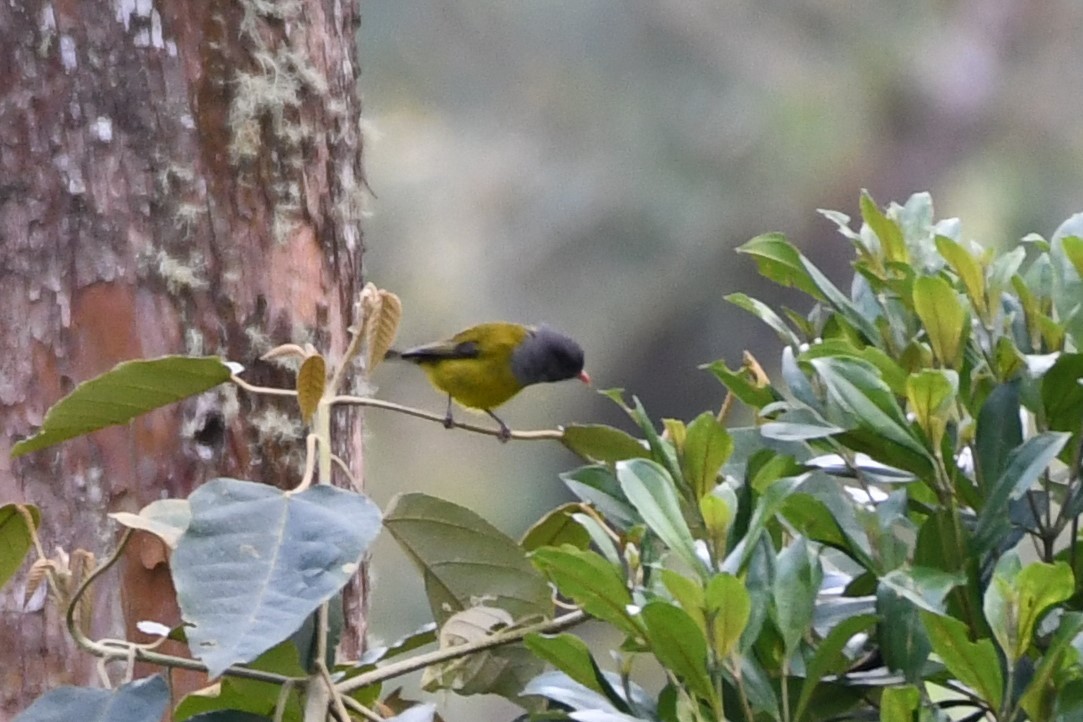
(177,176)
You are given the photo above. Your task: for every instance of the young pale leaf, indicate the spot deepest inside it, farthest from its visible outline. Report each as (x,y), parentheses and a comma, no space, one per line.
(129,390)
(944,317)
(654,495)
(779,261)
(968,269)
(311,380)
(975,664)
(591,582)
(15,538)
(381,326)
(679,645)
(891,238)
(729,608)
(602,444)
(689,594)
(144,700)
(166,519)
(255,561)
(1016,598)
(707,446)
(930,394)
(555,528)
(900,704)
(462,557)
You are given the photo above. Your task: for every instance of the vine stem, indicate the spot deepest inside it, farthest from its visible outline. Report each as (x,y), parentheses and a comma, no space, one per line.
(421,661)
(136,652)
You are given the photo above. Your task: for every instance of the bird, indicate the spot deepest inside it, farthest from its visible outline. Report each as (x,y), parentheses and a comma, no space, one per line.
(484,366)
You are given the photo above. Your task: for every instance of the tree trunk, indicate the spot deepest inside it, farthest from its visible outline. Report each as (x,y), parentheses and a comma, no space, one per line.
(176,176)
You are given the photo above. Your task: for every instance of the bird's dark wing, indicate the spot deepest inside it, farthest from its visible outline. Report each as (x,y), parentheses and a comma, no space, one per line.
(442,350)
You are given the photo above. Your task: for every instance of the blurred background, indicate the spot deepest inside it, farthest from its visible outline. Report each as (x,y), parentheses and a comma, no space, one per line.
(594,164)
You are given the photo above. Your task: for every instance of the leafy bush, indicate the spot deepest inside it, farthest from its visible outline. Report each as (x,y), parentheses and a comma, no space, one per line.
(893,538)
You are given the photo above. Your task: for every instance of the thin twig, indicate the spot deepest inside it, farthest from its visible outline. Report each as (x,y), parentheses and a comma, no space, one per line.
(421,661)
(442,419)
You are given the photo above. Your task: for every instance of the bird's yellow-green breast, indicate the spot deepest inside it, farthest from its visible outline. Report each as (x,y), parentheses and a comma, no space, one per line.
(474,366)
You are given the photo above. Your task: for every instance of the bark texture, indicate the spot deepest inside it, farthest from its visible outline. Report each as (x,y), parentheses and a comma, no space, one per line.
(176,176)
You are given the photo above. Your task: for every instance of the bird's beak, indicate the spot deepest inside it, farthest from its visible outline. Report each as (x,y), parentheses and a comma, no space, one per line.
(584,377)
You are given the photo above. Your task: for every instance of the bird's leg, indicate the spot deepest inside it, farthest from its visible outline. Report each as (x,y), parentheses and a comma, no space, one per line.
(505,432)
(449,421)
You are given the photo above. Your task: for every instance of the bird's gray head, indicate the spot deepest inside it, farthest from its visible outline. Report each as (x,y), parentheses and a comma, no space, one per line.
(545,356)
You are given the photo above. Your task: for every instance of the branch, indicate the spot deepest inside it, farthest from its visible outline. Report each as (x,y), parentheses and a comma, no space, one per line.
(537,435)
(421,661)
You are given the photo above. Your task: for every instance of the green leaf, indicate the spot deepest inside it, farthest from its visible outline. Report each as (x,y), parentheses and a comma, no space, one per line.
(924,587)
(246,699)
(1062,394)
(144,700)
(899,704)
(903,642)
(967,268)
(116,397)
(742,385)
(764,312)
(562,689)
(797,582)
(462,558)
(15,538)
(679,645)
(862,397)
(707,446)
(975,664)
(167,519)
(591,582)
(555,528)
(891,238)
(256,561)
(999,431)
(662,450)
(729,608)
(598,485)
(1025,464)
(779,261)
(828,657)
(602,444)
(654,495)
(1043,692)
(572,656)
(944,317)
(689,594)
(1016,598)
(800,424)
(769,504)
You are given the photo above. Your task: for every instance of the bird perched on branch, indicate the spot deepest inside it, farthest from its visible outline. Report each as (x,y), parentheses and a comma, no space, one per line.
(485,365)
